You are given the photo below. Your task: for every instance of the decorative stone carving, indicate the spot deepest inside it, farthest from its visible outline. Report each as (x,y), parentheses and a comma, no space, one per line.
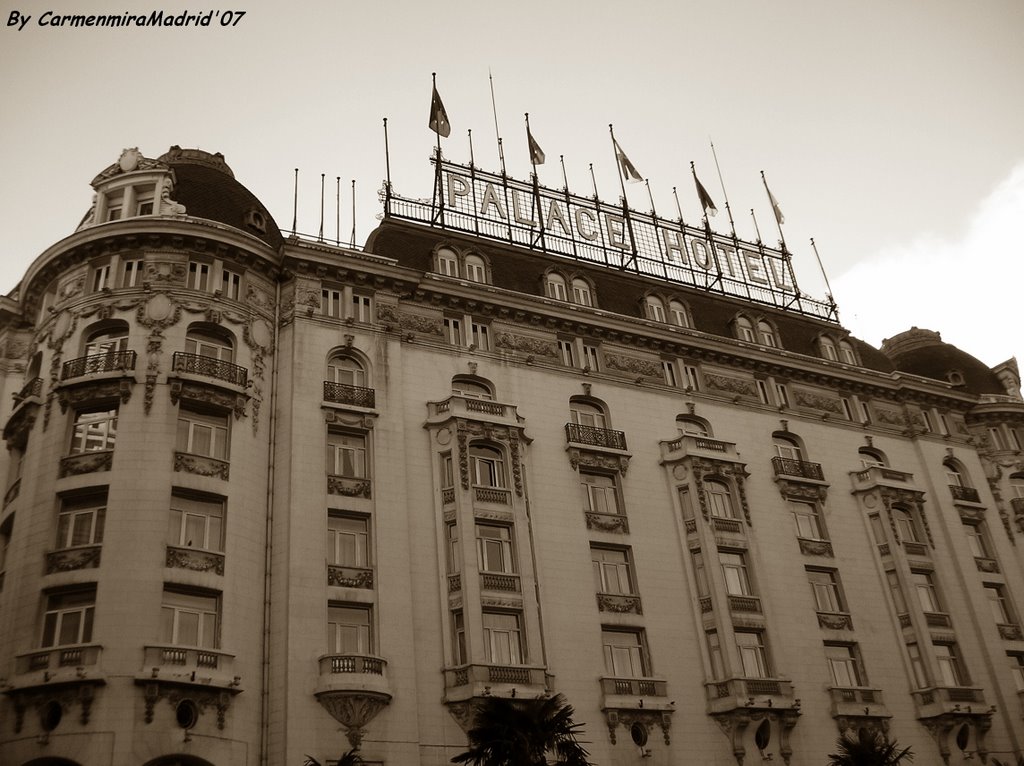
(175,692)
(626,717)
(87,462)
(511,435)
(422,324)
(95,391)
(350,577)
(816,401)
(208,394)
(73,558)
(943,725)
(730,385)
(166,273)
(609,602)
(808,493)
(853,723)
(79,692)
(894,496)
(890,417)
(353,710)
(815,547)
(633,365)
(835,621)
(347,487)
(201,465)
(732,473)
(587,459)
(607,522)
(735,722)
(194,560)
(169,206)
(527,345)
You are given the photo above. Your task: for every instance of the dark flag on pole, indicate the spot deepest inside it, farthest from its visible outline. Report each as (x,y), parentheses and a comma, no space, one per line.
(779,217)
(536,153)
(438,116)
(629,171)
(705,199)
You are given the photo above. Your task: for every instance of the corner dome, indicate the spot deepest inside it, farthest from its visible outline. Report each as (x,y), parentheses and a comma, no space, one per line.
(924,353)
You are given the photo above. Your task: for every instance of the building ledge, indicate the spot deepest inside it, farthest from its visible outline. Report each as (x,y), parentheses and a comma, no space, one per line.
(464,682)
(749,694)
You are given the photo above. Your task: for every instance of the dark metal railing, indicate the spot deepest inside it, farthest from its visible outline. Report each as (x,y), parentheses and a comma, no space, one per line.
(342,393)
(970,494)
(110,362)
(33,388)
(598,437)
(785,466)
(210,367)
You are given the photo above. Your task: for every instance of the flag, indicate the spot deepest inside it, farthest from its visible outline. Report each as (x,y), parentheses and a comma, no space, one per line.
(705,199)
(438,116)
(536,153)
(629,171)
(779,217)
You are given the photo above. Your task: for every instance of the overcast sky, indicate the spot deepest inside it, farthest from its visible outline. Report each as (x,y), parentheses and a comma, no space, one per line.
(891,132)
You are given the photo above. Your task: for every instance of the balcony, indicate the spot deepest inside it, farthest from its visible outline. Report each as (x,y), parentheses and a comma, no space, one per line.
(358,396)
(349,577)
(749,693)
(592,436)
(799,469)
(937,620)
(940,700)
(964,494)
(26,405)
(747,604)
(698,446)
(57,662)
(467,681)
(858,702)
(353,673)
(169,661)
(85,462)
(881,476)
(118,361)
(508,583)
(472,408)
(634,687)
(209,367)
(33,390)
(915,549)
(1017,504)
(496,495)
(202,465)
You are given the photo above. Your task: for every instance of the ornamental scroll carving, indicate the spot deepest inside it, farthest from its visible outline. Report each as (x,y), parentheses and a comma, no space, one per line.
(835,621)
(615,717)
(732,473)
(890,417)
(165,273)
(208,394)
(816,401)
(617,604)
(353,710)
(599,460)
(815,547)
(157,314)
(68,695)
(513,437)
(632,364)
(201,465)
(421,324)
(807,493)
(73,558)
(348,487)
(88,462)
(174,693)
(527,345)
(607,522)
(730,385)
(194,560)
(735,722)
(854,723)
(88,393)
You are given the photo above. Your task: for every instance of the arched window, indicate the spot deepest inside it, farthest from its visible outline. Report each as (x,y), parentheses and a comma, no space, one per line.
(346,370)
(554,286)
(692,426)
(906,524)
(655,308)
(447,262)
(471,388)
(107,340)
(677,314)
(34,366)
(587,413)
(1017,484)
(487,465)
(870,457)
(476,271)
(955,474)
(581,292)
(846,352)
(828,349)
(745,330)
(787,448)
(719,499)
(767,334)
(205,341)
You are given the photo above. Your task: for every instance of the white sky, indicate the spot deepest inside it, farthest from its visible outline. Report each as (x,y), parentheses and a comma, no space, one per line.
(890,132)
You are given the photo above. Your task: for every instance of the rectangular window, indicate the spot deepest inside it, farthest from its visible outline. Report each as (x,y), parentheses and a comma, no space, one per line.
(231,285)
(348,629)
(503,642)
(454,552)
(917,665)
(131,273)
(197,523)
(700,574)
(330,303)
(825,587)
(453,331)
(762,392)
(944,424)
(977,541)
(1017,668)
(94,431)
(847,408)
(101,277)
(600,492)
(200,433)
(200,276)
(924,587)
(896,590)
(844,665)
(783,394)
(68,617)
(145,204)
(715,653)
(447,471)
(361,306)
(190,618)
(612,570)
(480,336)
(494,548)
(995,435)
(753,656)
(668,369)
(459,628)
(447,265)
(807,520)
(719,500)
(567,353)
(591,358)
(865,413)
(346,455)
(691,376)
(624,653)
(951,671)
(998,604)
(80,521)
(734,568)
(348,541)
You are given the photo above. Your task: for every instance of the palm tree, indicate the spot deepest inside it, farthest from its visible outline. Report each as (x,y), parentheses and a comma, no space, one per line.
(869,748)
(351,758)
(511,732)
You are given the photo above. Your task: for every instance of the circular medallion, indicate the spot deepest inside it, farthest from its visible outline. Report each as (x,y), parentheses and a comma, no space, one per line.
(870,501)
(158,308)
(129,160)
(260,333)
(444,436)
(679,472)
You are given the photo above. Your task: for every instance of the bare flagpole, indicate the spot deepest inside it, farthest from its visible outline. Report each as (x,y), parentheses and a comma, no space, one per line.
(295,204)
(725,196)
(497,133)
(337,211)
(353,242)
(320,235)
(387,170)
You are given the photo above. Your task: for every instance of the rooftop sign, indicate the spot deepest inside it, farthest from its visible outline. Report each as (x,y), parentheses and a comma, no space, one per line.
(496,207)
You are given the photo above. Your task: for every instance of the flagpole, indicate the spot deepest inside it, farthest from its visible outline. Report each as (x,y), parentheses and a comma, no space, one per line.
(703,204)
(497,133)
(387,171)
(438,193)
(337,211)
(725,196)
(707,225)
(657,232)
(756,227)
(775,212)
(320,236)
(625,202)
(597,208)
(353,243)
(295,204)
(823,274)
(568,204)
(536,184)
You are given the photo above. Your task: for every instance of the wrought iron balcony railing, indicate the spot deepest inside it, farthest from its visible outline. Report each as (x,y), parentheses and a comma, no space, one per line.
(804,469)
(598,437)
(208,366)
(968,494)
(85,365)
(31,389)
(342,393)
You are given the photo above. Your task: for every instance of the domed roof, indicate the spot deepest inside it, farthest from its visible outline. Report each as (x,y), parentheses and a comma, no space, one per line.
(923,352)
(207,188)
